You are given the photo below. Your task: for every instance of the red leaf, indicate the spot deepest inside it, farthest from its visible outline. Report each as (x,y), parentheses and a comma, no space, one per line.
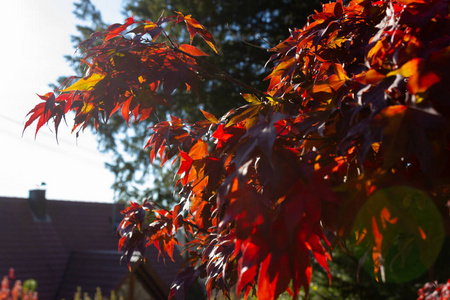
(266,289)
(274,276)
(248,264)
(44,111)
(185,164)
(301,265)
(126,110)
(115,29)
(194,27)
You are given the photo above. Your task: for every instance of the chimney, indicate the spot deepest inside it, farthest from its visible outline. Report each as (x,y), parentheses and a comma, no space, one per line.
(38,205)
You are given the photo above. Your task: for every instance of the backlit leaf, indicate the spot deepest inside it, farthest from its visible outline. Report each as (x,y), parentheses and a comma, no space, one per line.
(85,84)
(252,99)
(115,29)
(408,69)
(209,117)
(244,113)
(369,77)
(192,50)
(355,111)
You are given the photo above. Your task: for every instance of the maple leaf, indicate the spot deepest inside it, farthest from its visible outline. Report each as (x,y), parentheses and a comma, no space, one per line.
(194,28)
(84,84)
(115,29)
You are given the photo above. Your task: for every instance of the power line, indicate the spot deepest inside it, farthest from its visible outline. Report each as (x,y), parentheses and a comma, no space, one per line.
(84,154)
(12,132)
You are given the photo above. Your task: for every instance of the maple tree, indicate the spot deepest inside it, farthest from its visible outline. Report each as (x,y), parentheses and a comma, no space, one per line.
(348,143)
(235,26)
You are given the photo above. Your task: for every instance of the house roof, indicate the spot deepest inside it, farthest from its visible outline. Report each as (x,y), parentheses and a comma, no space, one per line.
(89,270)
(75,245)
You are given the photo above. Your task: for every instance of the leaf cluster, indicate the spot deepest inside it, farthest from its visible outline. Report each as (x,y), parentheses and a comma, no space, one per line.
(244,32)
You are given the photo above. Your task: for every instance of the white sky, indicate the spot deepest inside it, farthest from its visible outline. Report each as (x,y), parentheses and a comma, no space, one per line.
(35,37)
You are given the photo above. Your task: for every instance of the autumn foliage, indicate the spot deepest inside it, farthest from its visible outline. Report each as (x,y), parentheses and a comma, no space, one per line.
(11,289)
(434,291)
(349,141)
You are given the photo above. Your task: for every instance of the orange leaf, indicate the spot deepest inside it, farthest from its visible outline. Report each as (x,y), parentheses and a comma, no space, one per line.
(340,72)
(393,110)
(419,83)
(199,150)
(411,1)
(422,233)
(322,88)
(378,46)
(369,77)
(192,50)
(378,266)
(336,82)
(281,68)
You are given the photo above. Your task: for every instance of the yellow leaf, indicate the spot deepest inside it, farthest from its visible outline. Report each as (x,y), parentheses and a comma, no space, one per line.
(408,69)
(378,45)
(244,113)
(85,84)
(250,98)
(87,108)
(150,25)
(210,117)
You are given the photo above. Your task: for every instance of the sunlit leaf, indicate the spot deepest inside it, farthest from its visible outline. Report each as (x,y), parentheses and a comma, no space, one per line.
(252,99)
(210,117)
(369,77)
(115,29)
(192,50)
(408,69)
(85,84)
(244,113)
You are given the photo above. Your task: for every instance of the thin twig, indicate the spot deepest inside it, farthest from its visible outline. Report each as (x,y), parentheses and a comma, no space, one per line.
(222,75)
(248,43)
